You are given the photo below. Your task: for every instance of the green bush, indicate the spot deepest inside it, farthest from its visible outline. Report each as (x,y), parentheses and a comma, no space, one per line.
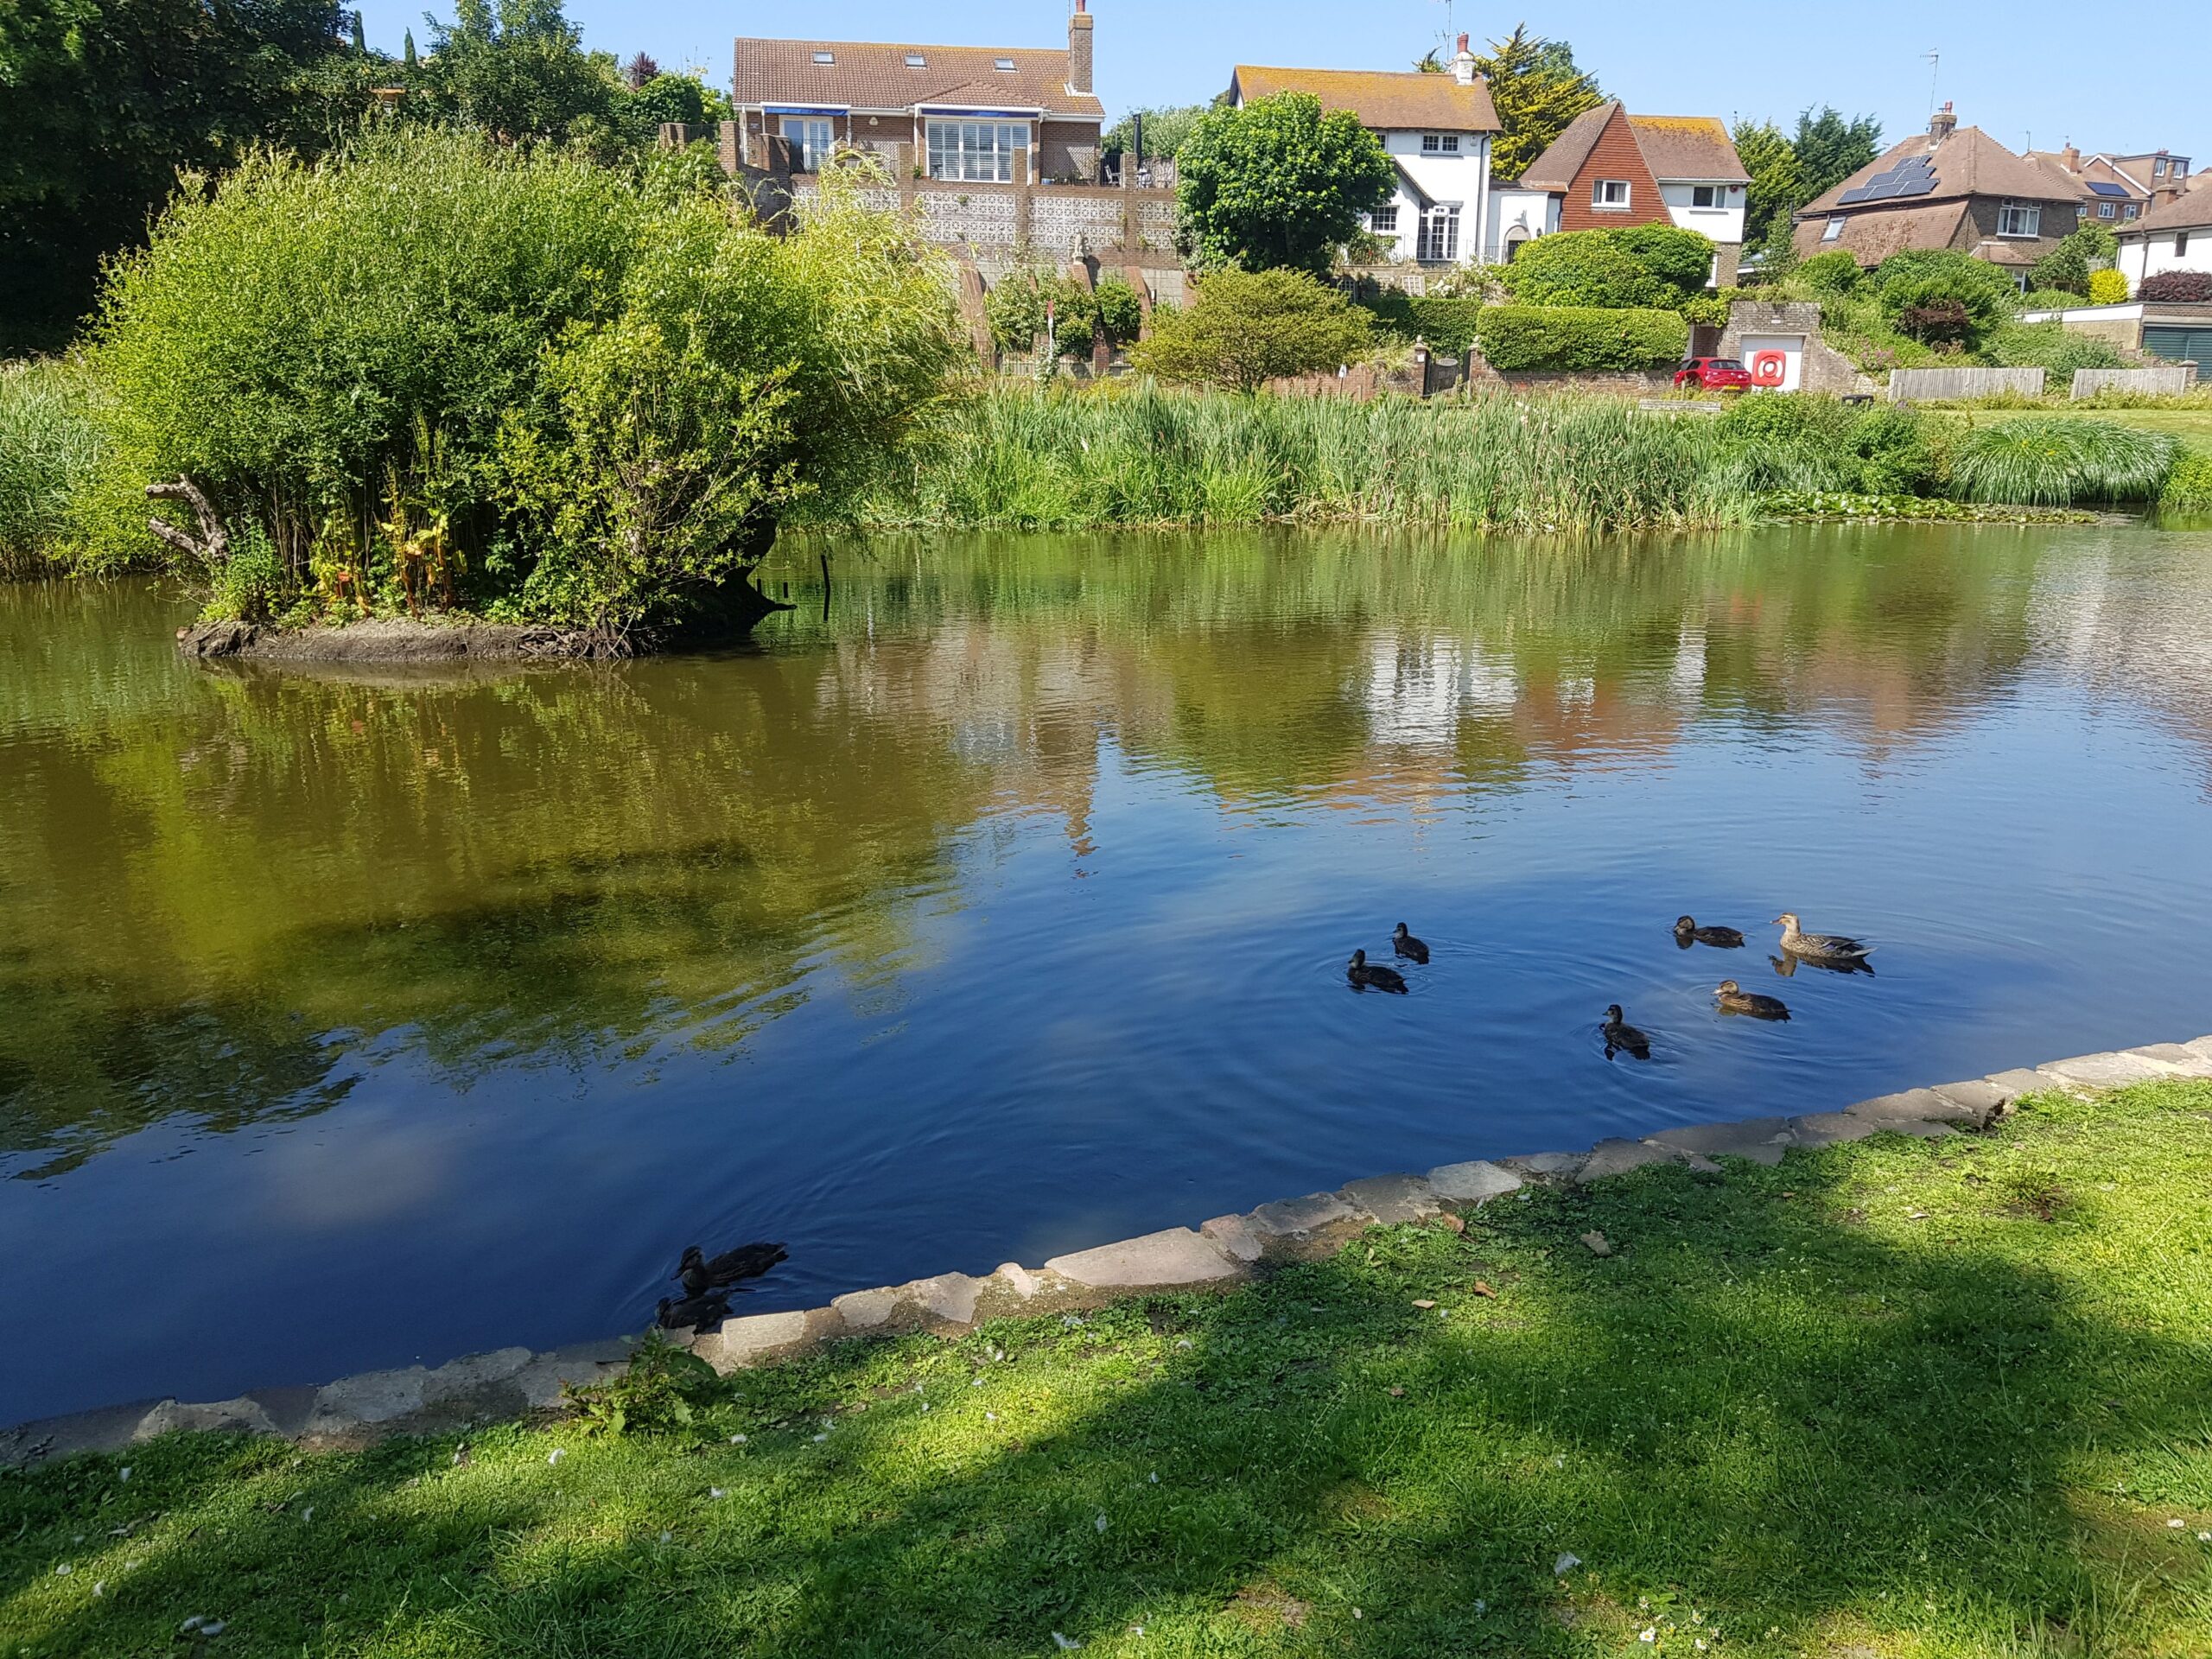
(49,446)
(392,361)
(2051,345)
(1834,272)
(1647,266)
(2056,462)
(1447,325)
(1278,182)
(1514,338)
(2189,487)
(1246,329)
(1807,444)
(1937,296)
(1081,315)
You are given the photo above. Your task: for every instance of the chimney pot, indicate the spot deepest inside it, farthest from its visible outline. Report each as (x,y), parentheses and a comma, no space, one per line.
(1463,43)
(1079,49)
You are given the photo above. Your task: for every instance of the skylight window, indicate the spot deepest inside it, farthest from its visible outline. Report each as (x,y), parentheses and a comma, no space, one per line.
(916,60)
(1005,64)
(825,57)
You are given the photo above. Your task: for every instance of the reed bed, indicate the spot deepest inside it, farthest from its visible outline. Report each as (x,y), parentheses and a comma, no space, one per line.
(2057,462)
(48,445)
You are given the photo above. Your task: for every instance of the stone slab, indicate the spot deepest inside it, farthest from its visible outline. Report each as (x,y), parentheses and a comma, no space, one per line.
(101,1430)
(584,1364)
(289,1410)
(948,1296)
(241,1415)
(2200,1045)
(2020,1080)
(2112,1071)
(1236,1237)
(1393,1199)
(1761,1140)
(1618,1156)
(1923,1105)
(746,1342)
(1984,1101)
(1827,1129)
(1547,1166)
(1475,1183)
(1174,1257)
(374,1397)
(2183,1058)
(864,1310)
(1316,1210)
(1024,1283)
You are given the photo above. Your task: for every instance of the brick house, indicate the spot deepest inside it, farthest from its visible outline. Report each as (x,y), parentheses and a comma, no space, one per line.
(1609,168)
(1436,128)
(960,114)
(1955,187)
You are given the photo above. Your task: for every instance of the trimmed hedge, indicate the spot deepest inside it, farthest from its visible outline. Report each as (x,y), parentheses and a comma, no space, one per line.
(1448,326)
(1579,339)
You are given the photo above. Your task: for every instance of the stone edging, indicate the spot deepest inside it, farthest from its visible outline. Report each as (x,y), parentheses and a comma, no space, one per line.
(1227,1250)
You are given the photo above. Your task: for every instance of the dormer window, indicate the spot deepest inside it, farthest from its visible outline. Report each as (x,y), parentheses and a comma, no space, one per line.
(2159,170)
(825,57)
(916,60)
(1004,66)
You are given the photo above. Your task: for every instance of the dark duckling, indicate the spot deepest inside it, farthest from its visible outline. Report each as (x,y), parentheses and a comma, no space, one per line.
(1688,932)
(1373,979)
(701,1313)
(700,1274)
(1409,947)
(1823,948)
(1734,998)
(1622,1036)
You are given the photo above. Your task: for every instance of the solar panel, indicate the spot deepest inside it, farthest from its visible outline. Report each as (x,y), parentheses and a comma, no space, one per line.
(1913,176)
(2103,189)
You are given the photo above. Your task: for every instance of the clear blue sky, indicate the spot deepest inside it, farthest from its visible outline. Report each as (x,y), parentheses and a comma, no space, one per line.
(2036,67)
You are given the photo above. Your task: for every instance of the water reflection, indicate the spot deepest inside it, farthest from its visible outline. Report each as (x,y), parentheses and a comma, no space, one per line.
(992,900)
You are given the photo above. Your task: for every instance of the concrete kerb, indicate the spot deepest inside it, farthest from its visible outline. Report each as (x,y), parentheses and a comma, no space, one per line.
(1225,1252)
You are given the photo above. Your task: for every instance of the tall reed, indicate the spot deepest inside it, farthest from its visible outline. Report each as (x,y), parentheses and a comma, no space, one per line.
(2057,462)
(47,447)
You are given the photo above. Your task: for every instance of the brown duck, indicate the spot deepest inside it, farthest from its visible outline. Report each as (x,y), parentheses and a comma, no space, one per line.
(1734,998)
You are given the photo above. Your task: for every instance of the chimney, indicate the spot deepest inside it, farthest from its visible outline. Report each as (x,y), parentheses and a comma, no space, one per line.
(1942,125)
(2073,158)
(1463,66)
(1079,49)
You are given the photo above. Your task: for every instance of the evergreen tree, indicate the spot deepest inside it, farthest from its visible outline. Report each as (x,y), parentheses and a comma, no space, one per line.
(1278,183)
(1538,89)
(1829,149)
(1776,190)
(360,38)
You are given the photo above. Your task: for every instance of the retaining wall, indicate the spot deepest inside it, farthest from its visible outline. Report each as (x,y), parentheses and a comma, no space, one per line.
(1223,1252)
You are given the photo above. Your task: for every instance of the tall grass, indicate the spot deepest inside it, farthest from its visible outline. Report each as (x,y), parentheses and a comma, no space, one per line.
(2058,461)
(1144,456)
(47,447)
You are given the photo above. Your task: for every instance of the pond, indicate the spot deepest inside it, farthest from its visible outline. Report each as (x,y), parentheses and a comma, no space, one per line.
(995,902)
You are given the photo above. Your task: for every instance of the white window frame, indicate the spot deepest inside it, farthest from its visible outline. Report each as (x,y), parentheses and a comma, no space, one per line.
(1384,221)
(1440,143)
(967,149)
(2024,219)
(2104,210)
(2129,211)
(1603,202)
(1835,231)
(813,138)
(1436,241)
(1716,195)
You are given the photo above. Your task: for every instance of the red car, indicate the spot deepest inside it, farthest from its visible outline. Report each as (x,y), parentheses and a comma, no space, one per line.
(1713,374)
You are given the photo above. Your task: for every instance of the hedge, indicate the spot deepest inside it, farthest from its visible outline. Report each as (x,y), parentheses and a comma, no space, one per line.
(1574,338)
(1448,326)
(2177,287)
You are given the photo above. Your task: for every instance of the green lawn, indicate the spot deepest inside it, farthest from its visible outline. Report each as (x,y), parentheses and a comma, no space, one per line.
(1890,1399)
(2192,426)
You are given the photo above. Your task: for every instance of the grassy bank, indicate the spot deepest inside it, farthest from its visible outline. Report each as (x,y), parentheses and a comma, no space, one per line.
(1895,1399)
(48,446)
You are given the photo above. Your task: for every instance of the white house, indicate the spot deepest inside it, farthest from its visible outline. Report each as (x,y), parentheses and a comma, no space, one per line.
(1438,131)
(2176,235)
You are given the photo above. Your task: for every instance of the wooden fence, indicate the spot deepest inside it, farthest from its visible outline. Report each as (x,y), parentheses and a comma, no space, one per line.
(2152,383)
(1950,386)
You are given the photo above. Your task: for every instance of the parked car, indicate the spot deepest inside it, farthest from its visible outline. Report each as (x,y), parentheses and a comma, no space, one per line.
(1713,374)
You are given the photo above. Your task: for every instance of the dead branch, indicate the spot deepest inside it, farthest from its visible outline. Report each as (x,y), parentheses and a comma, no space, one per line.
(213,545)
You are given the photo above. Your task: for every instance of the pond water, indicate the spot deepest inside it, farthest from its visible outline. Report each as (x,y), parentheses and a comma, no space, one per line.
(996,903)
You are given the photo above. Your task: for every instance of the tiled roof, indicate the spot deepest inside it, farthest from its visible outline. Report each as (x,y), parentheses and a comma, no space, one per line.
(1684,147)
(1874,237)
(1562,159)
(2088,170)
(1967,163)
(2188,212)
(1385,100)
(869,75)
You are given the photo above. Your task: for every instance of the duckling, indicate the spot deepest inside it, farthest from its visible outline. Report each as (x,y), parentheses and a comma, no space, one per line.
(700,1274)
(1620,1035)
(1734,998)
(1819,947)
(1686,932)
(1375,979)
(1406,945)
(701,1313)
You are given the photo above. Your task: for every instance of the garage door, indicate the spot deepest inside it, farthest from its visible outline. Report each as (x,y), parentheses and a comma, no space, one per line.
(2179,344)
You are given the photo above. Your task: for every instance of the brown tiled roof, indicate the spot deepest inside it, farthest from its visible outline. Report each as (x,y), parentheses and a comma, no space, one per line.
(1874,237)
(1967,163)
(1563,157)
(1386,101)
(869,75)
(1677,147)
(2187,212)
(2086,169)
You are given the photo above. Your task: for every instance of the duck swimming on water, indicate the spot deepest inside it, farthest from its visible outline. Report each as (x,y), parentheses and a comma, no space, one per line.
(1823,948)
(1688,932)
(1734,998)
(1622,1036)
(1367,978)
(701,1274)
(701,1313)
(1409,947)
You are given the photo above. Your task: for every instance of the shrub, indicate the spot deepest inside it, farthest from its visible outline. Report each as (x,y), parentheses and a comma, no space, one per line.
(1834,272)
(1934,295)
(49,446)
(1649,266)
(2177,287)
(1246,329)
(1803,444)
(1278,182)
(1521,336)
(2107,288)
(2189,487)
(1447,325)
(2052,346)
(388,361)
(2056,463)
(2049,299)
(2065,268)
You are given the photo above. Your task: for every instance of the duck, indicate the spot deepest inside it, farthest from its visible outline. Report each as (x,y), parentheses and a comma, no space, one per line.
(1819,947)
(1408,946)
(1376,979)
(701,1313)
(700,1273)
(1619,1034)
(1734,998)
(1688,932)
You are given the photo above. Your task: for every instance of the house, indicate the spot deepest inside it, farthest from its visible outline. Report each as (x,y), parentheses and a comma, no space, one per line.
(1609,168)
(1955,187)
(2117,190)
(970,114)
(1438,131)
(2176,235)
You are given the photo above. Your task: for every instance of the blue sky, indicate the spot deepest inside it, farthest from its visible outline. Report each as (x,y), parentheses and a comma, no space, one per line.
(2007,66)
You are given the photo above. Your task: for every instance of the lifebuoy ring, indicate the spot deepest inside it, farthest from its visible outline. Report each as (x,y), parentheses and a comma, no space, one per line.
(1768,368)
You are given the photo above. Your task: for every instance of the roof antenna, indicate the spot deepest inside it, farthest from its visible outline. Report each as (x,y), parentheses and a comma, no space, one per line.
(1449,35)
(1935,64)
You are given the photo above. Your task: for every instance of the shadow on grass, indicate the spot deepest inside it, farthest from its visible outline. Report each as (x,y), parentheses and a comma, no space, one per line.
(1870,1402)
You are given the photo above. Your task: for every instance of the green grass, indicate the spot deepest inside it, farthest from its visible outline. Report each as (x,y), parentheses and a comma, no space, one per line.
(1893,1401)
(47,447)
(2042,462)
